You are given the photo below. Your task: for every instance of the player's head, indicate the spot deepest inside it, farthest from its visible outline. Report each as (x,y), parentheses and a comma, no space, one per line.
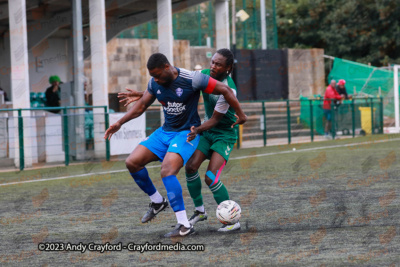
(333,83)
(160,69)
(221,64)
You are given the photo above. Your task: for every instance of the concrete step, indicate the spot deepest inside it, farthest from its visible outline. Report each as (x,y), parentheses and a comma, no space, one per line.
(271,120)
(277,104)
(274,110)
(271,128)
(6,162)
(275,134)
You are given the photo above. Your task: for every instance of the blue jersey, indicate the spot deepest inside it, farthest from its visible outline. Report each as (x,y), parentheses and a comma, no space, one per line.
(181,98)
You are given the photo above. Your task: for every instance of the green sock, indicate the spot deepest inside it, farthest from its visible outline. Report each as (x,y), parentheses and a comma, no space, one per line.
(219,191)
(194,186)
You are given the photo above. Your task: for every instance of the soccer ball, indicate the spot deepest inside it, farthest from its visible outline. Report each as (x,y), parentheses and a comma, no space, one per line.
(228,212)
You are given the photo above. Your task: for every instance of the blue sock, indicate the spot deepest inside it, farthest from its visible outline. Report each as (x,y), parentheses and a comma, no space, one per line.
(144,182)
(174,192)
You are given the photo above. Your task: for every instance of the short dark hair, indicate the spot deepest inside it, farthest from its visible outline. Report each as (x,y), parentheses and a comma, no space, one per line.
(228,55)
(157,60)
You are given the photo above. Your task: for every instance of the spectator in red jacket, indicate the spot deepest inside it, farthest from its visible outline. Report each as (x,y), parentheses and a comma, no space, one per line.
(330,93)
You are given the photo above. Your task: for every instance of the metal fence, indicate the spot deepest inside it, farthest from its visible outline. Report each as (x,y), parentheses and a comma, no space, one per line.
(29,136)
(293,121)
(52,135)
(358,116)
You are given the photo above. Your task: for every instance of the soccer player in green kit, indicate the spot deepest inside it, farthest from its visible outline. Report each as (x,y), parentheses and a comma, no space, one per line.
(216,142)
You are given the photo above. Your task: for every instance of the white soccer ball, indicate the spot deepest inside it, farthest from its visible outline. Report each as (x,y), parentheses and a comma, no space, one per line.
(228,212)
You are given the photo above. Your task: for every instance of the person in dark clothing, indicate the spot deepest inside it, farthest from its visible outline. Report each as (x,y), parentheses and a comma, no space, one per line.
(341,89)
(53,93)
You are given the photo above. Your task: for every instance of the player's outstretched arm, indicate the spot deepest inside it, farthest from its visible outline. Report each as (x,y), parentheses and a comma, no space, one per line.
(223,89)
(213,121)
(130,96)
(137,110)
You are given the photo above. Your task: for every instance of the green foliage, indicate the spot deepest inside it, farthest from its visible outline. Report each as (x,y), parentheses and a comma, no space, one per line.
(366,31)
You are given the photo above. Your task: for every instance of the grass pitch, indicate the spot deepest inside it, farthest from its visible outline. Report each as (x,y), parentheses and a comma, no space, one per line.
(333,203)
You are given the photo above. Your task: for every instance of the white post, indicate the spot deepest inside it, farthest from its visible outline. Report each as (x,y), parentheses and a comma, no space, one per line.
(78,52)
(98,47)
(396,96)
(20,75)
(234,24)
(79,95)
(222,23)
(165,34)
(263,25)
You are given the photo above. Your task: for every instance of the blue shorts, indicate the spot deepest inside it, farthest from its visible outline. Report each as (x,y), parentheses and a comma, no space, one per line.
(160,142)
(328,114)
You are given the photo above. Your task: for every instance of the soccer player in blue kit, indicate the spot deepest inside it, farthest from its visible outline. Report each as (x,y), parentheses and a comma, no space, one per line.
(178,90)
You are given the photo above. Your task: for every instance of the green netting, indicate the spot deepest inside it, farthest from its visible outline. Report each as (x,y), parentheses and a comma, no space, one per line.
(343,115)
(364,79)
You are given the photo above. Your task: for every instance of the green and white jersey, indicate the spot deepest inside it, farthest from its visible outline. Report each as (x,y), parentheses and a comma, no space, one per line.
(218,103)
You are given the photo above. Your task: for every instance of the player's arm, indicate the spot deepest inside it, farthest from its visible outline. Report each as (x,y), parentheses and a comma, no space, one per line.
(212,86)
(222,89)
(142,104)
(221,108)
(212,122)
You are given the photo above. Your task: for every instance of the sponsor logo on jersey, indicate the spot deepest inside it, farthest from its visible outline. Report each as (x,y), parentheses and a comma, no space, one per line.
(175,108)
(158,92)
(175,145)
(179,91)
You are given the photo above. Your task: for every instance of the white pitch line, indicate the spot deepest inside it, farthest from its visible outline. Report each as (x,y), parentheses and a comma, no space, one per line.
(244,157)
(71,176)
(316,148)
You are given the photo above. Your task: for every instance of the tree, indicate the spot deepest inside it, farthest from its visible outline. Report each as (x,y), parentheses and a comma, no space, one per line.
(366,31)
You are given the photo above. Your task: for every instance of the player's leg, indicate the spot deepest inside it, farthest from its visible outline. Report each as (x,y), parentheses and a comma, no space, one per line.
(193,179)
(212,178)
(217,163)
(146,152)
(178,154)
